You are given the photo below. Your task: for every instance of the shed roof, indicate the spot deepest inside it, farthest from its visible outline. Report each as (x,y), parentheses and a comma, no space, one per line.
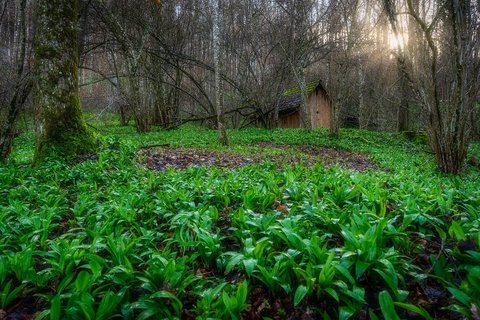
(311,86)
(292,97)
(287,104)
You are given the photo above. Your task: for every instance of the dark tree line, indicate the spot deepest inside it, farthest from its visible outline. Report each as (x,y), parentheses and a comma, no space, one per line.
(15,80)
(387,64)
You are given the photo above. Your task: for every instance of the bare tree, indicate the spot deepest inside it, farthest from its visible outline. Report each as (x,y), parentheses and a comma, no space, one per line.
(257,67)
(18,75)
(445,78)
(160,67)
(345,35)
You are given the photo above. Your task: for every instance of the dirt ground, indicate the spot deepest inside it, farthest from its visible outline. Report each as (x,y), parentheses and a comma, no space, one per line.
(162,158)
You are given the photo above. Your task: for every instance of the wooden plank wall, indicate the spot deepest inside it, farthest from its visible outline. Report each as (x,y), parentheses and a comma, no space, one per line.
(290,121)
(320,110)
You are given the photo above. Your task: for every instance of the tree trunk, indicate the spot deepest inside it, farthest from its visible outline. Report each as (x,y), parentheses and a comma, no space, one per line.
(449,110)
(222,131)
(334,120)
(22,88)
(305,117)
(404,108)
(60,124)
(364,115)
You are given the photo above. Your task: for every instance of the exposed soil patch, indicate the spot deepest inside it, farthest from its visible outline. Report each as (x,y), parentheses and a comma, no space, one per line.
(27,308)
(162,158)
(263,305)
(328,156)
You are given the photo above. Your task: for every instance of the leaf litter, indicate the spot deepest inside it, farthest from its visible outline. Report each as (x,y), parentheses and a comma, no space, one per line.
(165,157)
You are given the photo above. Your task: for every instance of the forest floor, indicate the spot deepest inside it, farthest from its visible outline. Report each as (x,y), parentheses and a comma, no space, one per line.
(164,157)
(282,224)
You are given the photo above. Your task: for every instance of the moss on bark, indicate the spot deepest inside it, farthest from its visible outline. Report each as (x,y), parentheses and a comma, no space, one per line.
(60,125)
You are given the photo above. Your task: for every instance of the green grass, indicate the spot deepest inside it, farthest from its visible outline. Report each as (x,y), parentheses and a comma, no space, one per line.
(107,239)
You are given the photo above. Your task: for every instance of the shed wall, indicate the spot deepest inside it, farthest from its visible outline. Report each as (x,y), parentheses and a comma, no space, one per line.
(291,120)
(320,110)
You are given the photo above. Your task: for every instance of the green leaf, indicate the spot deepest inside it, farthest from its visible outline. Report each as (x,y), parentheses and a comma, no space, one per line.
(387,306)
(83,281)
(460,296)
(300,293)
(346,313)
(456,231)
(227,302)
(345,273)
(86,304)
(167,295)
(43,315)
(360,268)
(108,305)
(7,296)
(333,294)
(440,232)
(418,310)
(250,265)
(242,292)
(372,315)
(234,261)
(55,308)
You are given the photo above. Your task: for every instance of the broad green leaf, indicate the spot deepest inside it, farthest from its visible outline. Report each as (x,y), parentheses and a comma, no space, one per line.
(333,294)
(108,305)
(360,268)
(250,265)
(242,292)
(456,231)
(227,302)
(55,308)
(418,310)
(300,293)
(86,304)
(344,272)
(234,261)
(83,281)
(387,306)
(346,313)
(460,296)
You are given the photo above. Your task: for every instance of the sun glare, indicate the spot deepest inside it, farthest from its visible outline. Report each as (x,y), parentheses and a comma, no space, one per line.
(397,41)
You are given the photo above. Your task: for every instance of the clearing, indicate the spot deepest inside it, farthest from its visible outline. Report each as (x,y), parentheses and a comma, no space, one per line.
(163,157)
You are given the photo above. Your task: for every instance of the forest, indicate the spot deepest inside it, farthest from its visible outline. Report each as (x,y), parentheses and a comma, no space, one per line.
(254,159)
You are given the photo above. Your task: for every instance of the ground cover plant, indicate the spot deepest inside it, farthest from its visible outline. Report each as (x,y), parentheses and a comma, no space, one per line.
(105,237)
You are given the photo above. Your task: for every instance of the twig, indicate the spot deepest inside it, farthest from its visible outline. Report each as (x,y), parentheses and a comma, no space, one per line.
(93,127)
(438,257)
(150,146)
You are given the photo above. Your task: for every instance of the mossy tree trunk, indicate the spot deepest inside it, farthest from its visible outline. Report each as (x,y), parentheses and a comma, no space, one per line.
(60,124)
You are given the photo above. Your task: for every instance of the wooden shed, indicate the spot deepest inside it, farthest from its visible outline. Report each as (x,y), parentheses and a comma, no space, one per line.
(319,105)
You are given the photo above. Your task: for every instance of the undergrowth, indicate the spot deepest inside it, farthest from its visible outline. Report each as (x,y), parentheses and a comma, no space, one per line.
(105,238)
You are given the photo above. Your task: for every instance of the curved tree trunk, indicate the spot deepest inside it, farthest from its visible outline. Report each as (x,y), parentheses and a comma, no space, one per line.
(60,124)
(448,98)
